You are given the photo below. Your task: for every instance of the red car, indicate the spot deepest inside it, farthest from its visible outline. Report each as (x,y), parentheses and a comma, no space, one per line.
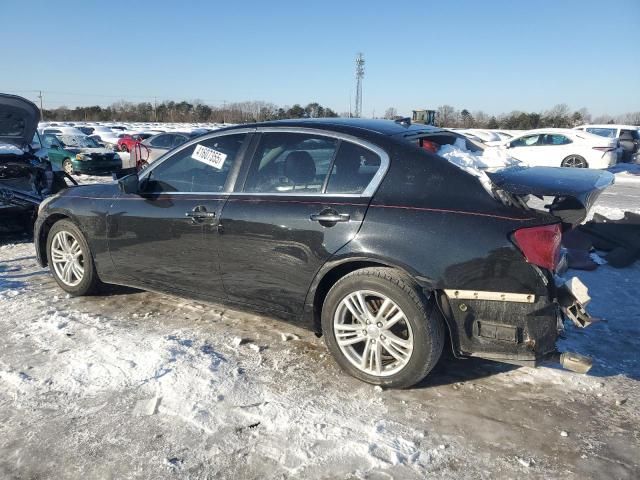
(127,142)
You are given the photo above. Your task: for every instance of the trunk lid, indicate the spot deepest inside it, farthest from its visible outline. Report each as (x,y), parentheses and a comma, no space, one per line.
(574,190)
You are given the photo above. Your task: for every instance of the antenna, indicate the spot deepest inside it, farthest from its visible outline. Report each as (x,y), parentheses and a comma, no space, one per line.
(359,77)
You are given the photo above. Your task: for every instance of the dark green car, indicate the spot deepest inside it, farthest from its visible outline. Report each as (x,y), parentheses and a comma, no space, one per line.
(80,154)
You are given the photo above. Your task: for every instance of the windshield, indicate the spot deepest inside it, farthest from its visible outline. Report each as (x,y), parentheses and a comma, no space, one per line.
(77,141)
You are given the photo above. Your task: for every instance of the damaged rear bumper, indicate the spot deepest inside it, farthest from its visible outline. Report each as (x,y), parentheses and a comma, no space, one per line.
(514,327)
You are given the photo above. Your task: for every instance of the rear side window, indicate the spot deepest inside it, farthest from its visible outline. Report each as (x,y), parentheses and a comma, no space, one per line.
(291,163)
(603,132)
(178,140)
(201,167)
(162,141)
(353,169)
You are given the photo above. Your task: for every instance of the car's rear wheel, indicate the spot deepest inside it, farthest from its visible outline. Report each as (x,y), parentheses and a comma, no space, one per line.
(123,148)
(575,161)
(67,166)
(70,259)
(381,328)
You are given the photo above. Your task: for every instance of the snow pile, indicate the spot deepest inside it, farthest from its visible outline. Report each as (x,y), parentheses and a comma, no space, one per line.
(8,149)
(490,158)
(476,163)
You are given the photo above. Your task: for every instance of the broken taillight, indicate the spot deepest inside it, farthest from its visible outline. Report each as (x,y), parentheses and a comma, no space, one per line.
(540,245)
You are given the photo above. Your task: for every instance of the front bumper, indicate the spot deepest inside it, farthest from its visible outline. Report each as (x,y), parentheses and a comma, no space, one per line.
(91,166)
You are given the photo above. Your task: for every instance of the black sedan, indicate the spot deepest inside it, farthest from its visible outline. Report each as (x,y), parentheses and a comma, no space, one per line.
(387,249)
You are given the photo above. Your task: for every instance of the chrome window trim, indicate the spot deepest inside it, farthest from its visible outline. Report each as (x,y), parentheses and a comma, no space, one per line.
(368,192)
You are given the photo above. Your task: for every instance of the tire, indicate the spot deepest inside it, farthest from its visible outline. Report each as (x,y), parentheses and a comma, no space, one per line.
(76,283)
(575,161)
(67,166)
(417,323)
(123,148)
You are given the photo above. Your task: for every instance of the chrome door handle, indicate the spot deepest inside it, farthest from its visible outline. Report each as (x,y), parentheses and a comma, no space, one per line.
(200,214)
(330,217)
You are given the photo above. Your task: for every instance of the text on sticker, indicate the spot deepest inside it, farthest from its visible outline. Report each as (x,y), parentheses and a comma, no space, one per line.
(209,156)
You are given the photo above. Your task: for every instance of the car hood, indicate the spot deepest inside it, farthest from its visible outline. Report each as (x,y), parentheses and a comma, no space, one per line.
(575,190)
(18,120)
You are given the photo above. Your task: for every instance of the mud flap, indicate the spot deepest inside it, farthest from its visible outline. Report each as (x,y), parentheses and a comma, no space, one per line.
(573,297)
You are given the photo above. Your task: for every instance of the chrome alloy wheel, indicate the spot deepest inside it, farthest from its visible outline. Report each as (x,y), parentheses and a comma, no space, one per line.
(67,258)
(574,161)
(373,333)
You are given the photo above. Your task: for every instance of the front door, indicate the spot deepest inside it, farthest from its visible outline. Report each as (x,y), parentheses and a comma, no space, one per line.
(168,235)
(304,197)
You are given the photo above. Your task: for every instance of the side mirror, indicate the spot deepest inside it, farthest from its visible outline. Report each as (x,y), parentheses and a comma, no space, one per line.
(129,184)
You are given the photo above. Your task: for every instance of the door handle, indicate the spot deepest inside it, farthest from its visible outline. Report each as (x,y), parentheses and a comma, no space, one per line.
(330,217)
(200,214)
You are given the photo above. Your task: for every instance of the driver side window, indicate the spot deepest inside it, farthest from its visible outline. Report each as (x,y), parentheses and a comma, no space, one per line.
(200,167)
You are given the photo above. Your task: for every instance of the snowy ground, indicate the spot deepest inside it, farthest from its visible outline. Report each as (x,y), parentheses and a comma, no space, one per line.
(131,384)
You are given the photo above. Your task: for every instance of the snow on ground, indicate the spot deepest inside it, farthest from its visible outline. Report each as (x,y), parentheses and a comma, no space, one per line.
(134,384)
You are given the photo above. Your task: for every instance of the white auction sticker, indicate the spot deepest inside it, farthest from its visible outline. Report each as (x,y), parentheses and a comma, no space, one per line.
(209,156)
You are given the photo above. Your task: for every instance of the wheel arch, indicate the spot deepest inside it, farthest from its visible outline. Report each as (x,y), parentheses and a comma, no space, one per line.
(330,274)
(43,233)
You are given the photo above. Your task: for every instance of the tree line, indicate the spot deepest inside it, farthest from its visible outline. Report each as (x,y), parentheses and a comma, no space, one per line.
(560,116)
(187,112)
(256,111)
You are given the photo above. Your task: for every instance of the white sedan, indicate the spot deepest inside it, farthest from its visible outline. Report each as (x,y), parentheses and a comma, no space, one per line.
(562,147)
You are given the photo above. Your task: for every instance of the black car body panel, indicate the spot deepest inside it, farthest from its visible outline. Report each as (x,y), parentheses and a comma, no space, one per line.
(421,215)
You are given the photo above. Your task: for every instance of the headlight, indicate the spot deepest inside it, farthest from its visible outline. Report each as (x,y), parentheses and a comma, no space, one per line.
(81,156)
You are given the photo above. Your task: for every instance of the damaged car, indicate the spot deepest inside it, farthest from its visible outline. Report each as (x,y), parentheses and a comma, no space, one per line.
(26,175)
(354,227)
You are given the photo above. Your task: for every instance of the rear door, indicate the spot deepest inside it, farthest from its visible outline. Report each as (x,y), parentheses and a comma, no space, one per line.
(168,234)
(301,198)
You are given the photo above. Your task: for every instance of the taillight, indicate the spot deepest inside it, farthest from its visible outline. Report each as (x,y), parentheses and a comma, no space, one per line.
(604,149)
(540,245)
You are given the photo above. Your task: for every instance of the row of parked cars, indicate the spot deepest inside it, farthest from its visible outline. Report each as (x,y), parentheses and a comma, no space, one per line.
(586,146)
(92,149)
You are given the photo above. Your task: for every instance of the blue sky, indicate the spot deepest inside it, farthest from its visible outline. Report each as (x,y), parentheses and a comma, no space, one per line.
(495,56)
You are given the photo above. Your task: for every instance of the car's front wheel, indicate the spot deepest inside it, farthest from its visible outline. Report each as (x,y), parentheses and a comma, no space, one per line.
(70,259)
(381,328)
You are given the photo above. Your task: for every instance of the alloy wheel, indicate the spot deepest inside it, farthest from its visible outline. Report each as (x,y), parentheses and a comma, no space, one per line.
(67,258)
(373,333)
(574,161)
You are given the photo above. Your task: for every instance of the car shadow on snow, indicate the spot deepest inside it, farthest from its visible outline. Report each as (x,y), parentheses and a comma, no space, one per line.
(450,370)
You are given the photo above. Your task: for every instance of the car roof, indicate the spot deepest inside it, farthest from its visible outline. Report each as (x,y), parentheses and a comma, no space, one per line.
(383,127)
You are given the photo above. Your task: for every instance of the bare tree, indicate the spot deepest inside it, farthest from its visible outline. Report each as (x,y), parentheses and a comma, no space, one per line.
(390,113)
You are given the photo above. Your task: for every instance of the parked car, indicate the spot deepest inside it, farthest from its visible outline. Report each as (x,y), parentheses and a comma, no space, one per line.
(627,135)
(127,141)
(560,147)
(108,137)
(65,130)
(26,176)
(160,144)
(80,154)
(347,224)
